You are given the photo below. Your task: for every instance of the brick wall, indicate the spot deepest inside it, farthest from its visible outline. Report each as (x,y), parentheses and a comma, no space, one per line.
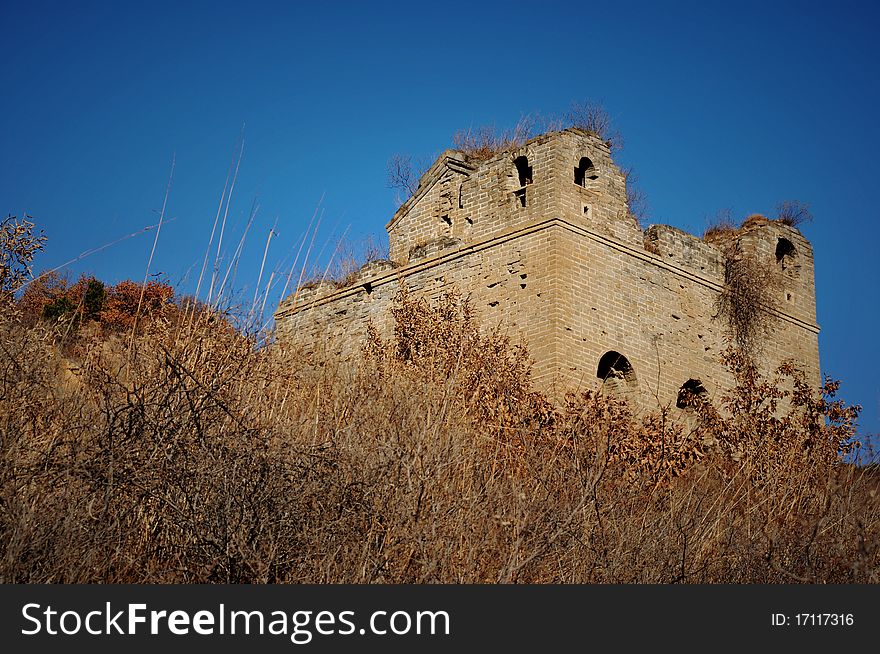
(568,269)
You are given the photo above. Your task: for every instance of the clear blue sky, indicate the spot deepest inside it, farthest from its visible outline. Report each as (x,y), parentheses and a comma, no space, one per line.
(727,105)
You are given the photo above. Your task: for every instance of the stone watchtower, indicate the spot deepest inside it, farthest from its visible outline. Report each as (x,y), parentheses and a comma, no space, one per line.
(541,239)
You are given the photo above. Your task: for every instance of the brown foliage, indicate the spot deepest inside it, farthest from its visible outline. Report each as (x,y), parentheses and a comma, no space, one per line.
(45,289)
(443,344)
(429,459)
(124,305)
(18,245)
(53,298)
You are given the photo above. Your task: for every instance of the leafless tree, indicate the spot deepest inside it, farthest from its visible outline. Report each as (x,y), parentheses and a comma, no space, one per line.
(636,199)
(401,175)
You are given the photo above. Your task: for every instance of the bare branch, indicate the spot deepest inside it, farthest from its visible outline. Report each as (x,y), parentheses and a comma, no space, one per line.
(401,175)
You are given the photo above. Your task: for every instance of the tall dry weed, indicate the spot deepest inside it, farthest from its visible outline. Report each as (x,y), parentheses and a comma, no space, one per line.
(431,458)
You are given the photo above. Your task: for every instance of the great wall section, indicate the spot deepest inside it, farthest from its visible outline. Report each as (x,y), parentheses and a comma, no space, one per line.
(541,240)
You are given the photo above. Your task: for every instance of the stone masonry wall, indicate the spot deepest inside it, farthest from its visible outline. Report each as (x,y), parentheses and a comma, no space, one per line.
(510,280)
(459,203)
(567,268)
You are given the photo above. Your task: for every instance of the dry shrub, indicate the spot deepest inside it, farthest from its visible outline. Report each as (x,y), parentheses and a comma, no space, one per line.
(636,198)
(199,457)
(124,305)
(754,220)
(350,256)
(485,142)
(593,118)
(47,289)
(781,424)
(53,298)
(442,343)
(793,213)
(18,246)
(649,451)
(722,228)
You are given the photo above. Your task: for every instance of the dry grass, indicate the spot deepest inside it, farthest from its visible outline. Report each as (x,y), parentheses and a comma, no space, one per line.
(482,143)
(754,220)
(721,228)
(350,256)
(791,212)
(431,458)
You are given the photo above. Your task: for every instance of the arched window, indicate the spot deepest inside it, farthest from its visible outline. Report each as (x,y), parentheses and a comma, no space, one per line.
(617,375)
(523,170)
(585,170)
(786,256)
(689,392)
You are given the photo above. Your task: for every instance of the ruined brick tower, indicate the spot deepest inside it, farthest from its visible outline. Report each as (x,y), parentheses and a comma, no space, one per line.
(541,239)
